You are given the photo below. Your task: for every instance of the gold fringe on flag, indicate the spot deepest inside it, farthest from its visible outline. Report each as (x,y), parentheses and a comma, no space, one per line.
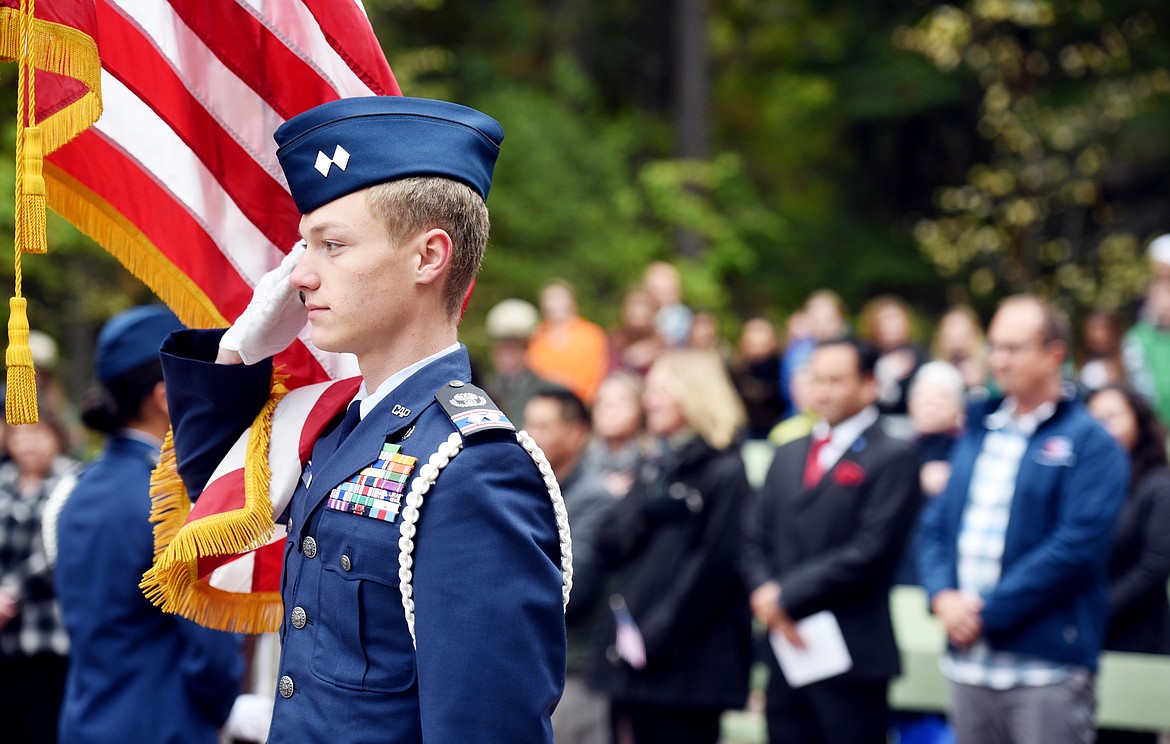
(173,582)
(108,227)
(62,50)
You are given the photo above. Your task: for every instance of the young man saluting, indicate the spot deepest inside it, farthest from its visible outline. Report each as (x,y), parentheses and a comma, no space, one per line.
(429,527)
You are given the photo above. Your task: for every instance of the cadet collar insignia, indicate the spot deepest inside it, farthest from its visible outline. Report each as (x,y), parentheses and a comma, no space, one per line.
(470,408)
(324,162)
(377,490)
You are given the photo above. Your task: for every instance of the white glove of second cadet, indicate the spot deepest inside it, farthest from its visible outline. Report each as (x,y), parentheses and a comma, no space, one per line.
(249,719)
(273,318)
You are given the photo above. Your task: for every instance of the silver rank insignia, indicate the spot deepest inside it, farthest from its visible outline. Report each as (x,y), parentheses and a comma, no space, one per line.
(470,408)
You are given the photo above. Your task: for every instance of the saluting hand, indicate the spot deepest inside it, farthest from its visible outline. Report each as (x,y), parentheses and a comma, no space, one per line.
(272,319)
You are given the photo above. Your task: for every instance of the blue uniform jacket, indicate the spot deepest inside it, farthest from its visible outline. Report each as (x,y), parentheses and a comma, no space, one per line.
(136,673)
(489,617)
(1051,600)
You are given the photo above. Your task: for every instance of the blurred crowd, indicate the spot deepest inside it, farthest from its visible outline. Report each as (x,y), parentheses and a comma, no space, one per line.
(982,459)
(961,457)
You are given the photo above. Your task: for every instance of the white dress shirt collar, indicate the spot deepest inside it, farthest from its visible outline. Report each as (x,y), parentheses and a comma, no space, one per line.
(843,435)
(369,401)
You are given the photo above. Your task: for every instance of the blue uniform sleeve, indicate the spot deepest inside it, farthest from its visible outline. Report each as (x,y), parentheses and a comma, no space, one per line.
(210,404)
(489,617)
(211,667)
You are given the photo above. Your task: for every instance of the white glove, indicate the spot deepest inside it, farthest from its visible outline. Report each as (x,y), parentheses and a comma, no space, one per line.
(273,318)
(249,719)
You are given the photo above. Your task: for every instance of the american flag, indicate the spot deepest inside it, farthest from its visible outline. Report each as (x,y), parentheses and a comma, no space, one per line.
(179,178)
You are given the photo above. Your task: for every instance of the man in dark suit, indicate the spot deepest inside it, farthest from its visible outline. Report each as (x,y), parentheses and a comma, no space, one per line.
(826,533)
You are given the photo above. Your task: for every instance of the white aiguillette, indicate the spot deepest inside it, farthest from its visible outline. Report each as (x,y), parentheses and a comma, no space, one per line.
(825,654)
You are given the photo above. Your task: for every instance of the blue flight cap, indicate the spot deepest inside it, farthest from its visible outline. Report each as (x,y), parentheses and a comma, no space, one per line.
(344,146)
(132,338)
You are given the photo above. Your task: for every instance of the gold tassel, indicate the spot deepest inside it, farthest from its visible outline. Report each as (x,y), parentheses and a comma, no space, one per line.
(30,212)
(21,402)
(20,405)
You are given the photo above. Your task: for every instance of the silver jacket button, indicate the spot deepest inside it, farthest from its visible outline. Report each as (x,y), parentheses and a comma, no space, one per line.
(346,563)
(299,617)
(286,687)
(309,546)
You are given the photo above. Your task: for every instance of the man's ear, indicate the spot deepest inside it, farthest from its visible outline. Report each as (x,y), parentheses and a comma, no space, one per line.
(435,253)
(158,396)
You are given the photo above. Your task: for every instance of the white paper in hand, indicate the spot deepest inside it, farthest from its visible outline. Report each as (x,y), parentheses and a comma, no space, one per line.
(824,655)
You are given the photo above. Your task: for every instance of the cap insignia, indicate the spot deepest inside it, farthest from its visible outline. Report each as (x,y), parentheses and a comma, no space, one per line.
(324,162)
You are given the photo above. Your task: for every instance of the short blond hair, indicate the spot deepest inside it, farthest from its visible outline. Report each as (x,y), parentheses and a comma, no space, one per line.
(698,381)
(409,206)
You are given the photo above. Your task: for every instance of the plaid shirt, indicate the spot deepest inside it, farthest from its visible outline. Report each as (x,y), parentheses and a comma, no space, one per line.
(981,541)
(37,627)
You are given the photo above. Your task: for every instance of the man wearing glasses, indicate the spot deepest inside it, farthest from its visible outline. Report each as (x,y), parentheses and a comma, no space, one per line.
(1013,551)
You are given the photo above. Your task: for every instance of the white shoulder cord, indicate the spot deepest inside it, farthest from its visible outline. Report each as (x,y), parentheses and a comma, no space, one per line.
(52,512)
(426,478)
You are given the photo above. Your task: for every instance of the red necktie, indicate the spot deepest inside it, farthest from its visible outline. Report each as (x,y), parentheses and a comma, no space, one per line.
(813,472)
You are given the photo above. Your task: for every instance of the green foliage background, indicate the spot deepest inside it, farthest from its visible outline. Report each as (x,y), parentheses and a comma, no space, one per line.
(941,152)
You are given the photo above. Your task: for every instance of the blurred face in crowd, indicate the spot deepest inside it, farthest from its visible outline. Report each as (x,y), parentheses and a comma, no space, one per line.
(1023,363)
(838,389)
(824,317)
(797,326)
(891,327)
(33,447)
(562,441)
(758,340)
(557,304)
(800,389)
(933,408)
(664,416)
(638,311)
(704,332)
(1112,410)
(1100,333)
(617,411)
(508,356)
(957,336)
(663,284)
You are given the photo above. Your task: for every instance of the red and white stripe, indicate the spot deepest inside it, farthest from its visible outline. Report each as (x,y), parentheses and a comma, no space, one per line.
(297,422)
(193,91)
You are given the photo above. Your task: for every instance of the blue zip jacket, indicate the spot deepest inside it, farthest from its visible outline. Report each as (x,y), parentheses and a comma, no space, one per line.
(1051,600)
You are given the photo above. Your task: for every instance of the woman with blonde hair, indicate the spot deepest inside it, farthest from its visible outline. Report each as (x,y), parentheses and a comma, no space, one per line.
(676,653)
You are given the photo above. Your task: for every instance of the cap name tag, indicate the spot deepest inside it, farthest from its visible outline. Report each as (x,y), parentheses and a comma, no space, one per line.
(377,490)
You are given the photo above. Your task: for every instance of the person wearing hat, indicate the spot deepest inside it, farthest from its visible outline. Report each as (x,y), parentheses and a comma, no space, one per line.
(431,609)
(511,382)
(136,673)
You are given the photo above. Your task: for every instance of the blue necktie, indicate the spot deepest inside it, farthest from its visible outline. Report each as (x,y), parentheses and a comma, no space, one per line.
(353,416)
